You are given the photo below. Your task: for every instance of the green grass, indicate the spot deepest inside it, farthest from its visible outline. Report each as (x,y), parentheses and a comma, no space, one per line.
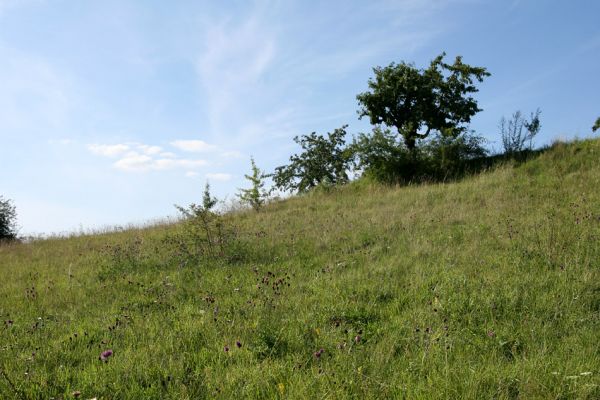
(487,288)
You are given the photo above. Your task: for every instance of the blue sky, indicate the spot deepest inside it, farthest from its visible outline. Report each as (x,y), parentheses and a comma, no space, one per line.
(111,111)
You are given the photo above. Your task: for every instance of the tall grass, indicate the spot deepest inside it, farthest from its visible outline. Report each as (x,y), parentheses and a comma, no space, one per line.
(484,288)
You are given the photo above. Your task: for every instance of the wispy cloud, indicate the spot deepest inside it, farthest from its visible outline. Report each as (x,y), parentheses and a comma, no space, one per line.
(64,142)
(261,71)
(514,5)
(193,146)
(219,176)
(6,5)
(232,154)
(108,150)
(235,56)
(48,92)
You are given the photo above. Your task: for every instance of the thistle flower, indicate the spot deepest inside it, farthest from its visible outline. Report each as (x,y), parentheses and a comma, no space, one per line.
(105,355)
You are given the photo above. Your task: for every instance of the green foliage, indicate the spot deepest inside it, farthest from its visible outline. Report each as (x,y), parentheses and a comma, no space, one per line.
(596,125)
(384,158)
(208,201)
(324,161)
(256,195)
(517,131)
(418,101)
(204,234)
(8,220)
(449,157)
(126,256)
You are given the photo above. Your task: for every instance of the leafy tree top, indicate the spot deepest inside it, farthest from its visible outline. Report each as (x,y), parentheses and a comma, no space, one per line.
(417,101)
(596,125)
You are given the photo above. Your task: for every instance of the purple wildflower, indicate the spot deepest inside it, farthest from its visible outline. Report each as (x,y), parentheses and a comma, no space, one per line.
(238,344)
(226,348)
(105,355)
(357,339)
(319,352)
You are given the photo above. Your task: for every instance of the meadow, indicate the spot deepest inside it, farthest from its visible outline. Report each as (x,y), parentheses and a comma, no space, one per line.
(483,288)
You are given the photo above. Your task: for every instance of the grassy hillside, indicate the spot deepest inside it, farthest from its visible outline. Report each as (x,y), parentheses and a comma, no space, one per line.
(484,288)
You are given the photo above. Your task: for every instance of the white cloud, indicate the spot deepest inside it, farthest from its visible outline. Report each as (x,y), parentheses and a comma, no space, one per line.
(149,150)
(219,176)
(113,150)
(192,174)
(136,162)
(193,146)
(108,150)
(140,157)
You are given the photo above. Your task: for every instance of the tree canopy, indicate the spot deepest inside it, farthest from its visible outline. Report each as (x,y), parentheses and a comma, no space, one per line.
(418,101)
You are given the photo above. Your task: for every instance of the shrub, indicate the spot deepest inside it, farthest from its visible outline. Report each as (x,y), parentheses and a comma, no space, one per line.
(517,131)
(383,157)
(448,157)
(125,257)
(256,195)
(8,220)
(204,234)
(324,161)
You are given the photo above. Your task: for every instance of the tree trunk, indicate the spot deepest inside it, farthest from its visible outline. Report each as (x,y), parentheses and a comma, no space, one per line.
(411,142)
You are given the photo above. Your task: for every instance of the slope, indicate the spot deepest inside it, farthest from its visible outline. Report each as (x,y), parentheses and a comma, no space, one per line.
(484,288)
